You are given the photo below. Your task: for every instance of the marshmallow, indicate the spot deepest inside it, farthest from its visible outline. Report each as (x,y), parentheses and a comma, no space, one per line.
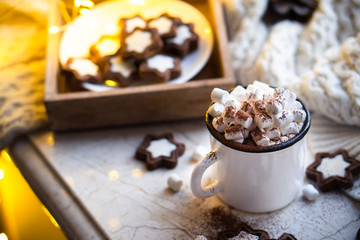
(216,109)
(243,118)
(292,127)
(263,120)
(260,107)
(219,125)
(273,133)
(274,107)
(290,97)
(174,182)
(297,105)
(247,107)
(220,96)
(229,114)
(239,93)
(199,152)
(233,102)
(255,95)
(200,237)
(310,192)
(299,115)
(235,132)
(268,92)
(283,119)
(260,137)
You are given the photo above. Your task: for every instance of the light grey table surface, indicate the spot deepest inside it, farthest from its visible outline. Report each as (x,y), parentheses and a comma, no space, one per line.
(93,186)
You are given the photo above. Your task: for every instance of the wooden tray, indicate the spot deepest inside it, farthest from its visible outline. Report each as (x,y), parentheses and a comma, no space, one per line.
(141,104)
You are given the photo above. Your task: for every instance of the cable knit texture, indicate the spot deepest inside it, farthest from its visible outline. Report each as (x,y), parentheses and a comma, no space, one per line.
(23,28)
(319,60)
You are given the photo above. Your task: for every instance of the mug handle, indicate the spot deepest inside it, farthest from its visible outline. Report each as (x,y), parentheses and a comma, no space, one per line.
(196,176)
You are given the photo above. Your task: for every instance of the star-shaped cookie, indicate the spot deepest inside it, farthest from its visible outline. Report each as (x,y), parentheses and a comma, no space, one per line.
(333,170)
(159,151)
(243,231)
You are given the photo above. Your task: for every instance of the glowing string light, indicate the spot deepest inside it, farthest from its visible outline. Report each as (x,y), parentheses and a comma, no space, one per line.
(54,29)
(3,236)
(1,176)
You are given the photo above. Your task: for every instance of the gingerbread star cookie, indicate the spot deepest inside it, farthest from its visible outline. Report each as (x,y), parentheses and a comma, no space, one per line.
(160,151)
(243,231)
(333,170)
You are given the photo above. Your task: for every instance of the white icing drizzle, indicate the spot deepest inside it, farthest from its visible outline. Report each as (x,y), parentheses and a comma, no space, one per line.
(138,41)
(161,62)
(132,23)
(108,46)
(331,167)
(84,67)
(120,66)
(161,24)
(183,33)
(161,147)
(244,236)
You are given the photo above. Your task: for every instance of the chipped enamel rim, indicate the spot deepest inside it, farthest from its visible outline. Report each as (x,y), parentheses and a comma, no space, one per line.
(258,149)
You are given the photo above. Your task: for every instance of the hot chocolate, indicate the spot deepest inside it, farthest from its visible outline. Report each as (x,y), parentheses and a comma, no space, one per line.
(257,118)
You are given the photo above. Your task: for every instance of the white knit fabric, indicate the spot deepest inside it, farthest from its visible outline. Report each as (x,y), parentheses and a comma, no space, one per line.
(23,27)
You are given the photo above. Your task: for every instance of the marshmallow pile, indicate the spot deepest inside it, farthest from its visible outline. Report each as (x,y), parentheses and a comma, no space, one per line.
(270,116)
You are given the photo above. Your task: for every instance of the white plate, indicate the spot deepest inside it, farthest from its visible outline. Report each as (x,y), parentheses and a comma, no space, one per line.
(103,19)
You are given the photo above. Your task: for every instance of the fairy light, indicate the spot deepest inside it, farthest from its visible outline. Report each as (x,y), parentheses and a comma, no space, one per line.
(84,11)
(87,3)
(138,2)
(111,83)
(1,175)
(77,3)
(54,29)
(3,236)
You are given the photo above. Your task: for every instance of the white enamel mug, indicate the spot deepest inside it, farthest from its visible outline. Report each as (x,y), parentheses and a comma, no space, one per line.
(252,178)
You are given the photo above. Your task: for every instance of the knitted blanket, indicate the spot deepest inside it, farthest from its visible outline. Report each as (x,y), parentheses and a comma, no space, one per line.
(23,28)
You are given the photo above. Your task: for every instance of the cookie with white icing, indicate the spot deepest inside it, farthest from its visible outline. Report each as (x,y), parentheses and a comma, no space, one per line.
(160,151)
(128,25)
(84,70)
(140,44)
(160,68)
(333,170)
(105,46)
(185,41)
(122,71)
(165,25)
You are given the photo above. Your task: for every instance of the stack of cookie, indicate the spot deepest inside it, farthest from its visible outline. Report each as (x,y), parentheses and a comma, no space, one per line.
(146,49)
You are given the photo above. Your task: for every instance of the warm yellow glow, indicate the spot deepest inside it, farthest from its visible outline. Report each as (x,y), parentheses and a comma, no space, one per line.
(16,197)
(113,175)
(87,3)
(111,83)
(114,224)
(50,140)
(1,174)
(137,2)
(110,27)
(3,236)
(5,156)
(77,3)
(53,29)
(84,11)
(137,173)
(207,30)
(52,219)
(92,25)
